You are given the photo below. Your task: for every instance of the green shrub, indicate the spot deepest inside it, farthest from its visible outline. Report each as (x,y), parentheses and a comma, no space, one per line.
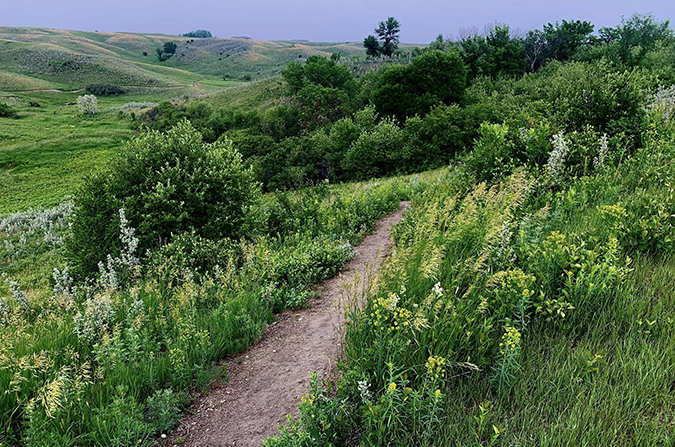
(432,79)
(168,184)
(492,154)
(7,112)
(105,89)
(376,152)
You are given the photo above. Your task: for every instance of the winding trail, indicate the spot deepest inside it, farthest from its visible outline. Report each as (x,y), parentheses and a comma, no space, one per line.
(273,374)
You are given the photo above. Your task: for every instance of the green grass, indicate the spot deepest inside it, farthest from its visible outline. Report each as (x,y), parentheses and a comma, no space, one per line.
(168,330)
(45,154)
(551,309)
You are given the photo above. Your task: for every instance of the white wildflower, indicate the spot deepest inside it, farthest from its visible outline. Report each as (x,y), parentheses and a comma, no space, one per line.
(438,290)
(556,160)
(364,391)
(96,316)
(602,154)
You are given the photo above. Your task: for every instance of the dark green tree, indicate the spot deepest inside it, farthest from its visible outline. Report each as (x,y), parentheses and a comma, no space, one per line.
(564,39)
(322,90)
(165,53)
(170,47)
(168,184)
(200,34)
(388,33)
(372,46)
(432,79)
(638,35)
(497,54)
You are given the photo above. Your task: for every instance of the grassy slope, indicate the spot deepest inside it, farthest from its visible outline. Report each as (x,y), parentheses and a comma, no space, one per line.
(73,59)
(46,153)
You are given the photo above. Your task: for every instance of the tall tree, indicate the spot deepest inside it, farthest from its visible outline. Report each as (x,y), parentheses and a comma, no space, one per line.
(563,39)
(637,36)
(535,48)
(372,46)
(388,32)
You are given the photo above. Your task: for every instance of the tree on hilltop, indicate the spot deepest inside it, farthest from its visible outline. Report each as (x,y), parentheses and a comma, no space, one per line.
(388,32)
(199,34)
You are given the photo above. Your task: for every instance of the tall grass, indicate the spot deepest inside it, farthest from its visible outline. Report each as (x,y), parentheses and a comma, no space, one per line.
(522,313)
(109,362)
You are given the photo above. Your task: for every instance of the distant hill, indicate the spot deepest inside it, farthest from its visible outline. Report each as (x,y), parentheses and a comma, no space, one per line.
(43,58)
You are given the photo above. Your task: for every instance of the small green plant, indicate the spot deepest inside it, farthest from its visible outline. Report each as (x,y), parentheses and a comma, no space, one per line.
(7,112)
(163,410)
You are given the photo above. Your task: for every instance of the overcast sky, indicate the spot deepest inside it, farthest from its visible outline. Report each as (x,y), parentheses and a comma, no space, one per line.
(316,20)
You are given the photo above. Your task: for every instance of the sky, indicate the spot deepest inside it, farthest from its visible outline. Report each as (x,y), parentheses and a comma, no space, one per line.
(317,20)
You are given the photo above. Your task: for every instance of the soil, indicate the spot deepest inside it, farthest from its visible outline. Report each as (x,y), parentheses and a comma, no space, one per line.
(267,381)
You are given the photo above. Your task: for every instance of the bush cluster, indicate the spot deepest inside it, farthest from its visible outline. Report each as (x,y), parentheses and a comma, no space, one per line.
(168,184)
(105,90)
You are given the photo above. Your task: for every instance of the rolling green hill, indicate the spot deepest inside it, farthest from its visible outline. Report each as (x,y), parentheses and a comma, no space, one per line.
(45,154)
(42,58)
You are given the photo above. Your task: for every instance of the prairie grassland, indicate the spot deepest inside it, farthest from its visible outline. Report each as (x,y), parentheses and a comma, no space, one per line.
(110,362)
(514,314)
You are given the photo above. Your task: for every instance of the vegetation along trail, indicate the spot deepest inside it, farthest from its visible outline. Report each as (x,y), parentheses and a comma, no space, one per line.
(273,375)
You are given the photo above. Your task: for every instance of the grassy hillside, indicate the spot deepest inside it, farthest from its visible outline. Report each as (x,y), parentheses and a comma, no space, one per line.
(42,58)
(45,154)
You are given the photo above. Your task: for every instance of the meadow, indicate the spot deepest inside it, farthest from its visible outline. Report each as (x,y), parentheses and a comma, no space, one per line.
(528,298)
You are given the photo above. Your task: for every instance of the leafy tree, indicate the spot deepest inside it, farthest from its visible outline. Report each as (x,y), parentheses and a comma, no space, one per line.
(431,79)
(168,184)
(564,39)
(388,32)
(637,36)
(505,52)
(199,34)
(321,89)
(372,46)
(170,47)
(497,54)
(165,53)
(534,46)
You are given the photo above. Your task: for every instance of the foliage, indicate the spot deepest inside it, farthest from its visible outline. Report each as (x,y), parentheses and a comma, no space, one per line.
(497,54)
(167,50)
(200,34)
(168,184)
(105,89)
(388,33)
(637,36)
(88,104)
(372,46)
(7,112)
(432,79)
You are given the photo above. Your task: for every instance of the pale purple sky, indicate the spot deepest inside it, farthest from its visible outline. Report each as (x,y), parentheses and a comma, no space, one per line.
(316,20)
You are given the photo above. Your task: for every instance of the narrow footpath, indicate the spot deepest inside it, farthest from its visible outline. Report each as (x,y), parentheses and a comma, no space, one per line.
(267,381)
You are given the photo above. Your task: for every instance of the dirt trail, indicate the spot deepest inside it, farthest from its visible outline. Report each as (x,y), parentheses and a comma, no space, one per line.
(269,382)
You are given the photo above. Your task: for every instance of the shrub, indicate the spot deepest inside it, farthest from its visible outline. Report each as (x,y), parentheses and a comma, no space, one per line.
(105,89)
(433,79)
(7,112)
(168,184)
(376,152)
(88,104)
(492,153)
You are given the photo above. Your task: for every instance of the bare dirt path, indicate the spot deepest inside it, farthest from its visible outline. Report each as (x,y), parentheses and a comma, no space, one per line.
(273,375)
